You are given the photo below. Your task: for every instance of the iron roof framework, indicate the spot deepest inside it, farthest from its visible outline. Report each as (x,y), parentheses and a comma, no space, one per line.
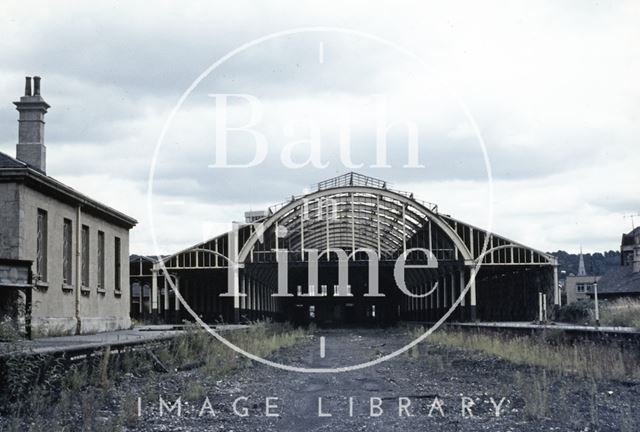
(352,212)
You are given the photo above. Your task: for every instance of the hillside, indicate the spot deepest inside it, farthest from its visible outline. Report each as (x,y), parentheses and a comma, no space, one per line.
(597,263)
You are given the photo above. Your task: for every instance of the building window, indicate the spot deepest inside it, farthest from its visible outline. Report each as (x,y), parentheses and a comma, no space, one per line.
(41,257)
(67,238)
(100,260)
(583,287)
(85,256)
(116,261)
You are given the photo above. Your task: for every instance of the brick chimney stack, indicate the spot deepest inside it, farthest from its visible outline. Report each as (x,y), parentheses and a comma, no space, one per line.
(32,108)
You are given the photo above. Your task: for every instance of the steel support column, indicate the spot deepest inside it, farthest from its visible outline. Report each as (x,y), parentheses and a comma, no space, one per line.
(472,297)
(463,302)
(153,304)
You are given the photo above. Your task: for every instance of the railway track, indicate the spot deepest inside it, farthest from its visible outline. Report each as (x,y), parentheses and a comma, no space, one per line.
(150,339)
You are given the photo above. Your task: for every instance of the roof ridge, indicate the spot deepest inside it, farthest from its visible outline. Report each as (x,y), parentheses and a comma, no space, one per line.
(10,165)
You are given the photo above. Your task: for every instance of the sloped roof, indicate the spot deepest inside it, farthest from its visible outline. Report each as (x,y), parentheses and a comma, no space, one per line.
(14,170)
(620,280)
(149,258)
(7,161)
(629,238)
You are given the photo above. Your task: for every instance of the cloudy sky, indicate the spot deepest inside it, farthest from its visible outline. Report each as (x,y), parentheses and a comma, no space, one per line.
(552,86)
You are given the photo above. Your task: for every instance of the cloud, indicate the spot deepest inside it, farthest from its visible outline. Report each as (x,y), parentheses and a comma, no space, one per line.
(552,87)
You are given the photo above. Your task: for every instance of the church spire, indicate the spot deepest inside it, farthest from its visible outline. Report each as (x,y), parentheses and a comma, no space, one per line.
(581,270)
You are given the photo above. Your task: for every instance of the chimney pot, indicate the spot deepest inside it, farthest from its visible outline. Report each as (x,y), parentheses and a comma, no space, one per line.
(36,86)
(27,86)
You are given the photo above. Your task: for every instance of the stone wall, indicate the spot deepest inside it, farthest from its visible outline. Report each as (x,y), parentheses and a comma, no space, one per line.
(54,303)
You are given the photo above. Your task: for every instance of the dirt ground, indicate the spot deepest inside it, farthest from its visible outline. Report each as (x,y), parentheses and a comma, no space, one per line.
(433,388)
(425,390)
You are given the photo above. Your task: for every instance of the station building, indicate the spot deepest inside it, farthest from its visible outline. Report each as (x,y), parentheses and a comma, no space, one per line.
(63,255)
(487,276)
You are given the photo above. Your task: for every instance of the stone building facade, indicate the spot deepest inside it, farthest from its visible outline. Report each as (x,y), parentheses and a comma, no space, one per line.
(580,287)
(78,247)
(630,250)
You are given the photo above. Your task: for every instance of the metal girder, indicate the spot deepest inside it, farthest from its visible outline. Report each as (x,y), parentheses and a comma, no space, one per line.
(380,219)
(383,195)
(494,242)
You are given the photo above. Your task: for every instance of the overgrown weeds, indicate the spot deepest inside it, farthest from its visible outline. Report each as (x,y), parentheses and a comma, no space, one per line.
(554,372)
(624,312)
(43,392)
(198,346)
(588,359)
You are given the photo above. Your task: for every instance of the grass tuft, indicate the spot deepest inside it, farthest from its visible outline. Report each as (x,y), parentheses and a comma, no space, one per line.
(624,312)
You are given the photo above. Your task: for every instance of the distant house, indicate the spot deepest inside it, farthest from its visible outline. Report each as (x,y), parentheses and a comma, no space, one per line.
(623,281)
(578,287)
(630,249)
(74,247)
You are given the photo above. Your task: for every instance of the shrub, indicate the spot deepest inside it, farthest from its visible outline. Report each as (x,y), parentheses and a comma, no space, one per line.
(580,312)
